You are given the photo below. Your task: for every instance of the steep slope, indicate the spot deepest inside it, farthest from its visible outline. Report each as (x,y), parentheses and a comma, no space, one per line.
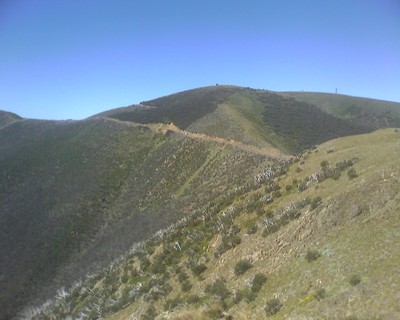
(314,237)
(74,195)
(258,117)
(361,111)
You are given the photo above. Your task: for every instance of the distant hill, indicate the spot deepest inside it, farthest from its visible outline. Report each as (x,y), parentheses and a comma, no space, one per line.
(263,117)
(370,113)
(8,117)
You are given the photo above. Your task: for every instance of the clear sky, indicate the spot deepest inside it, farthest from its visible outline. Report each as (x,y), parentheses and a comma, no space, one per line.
(62,59)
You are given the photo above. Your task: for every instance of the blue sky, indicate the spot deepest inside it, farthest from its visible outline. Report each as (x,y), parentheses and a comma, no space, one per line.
(69,59)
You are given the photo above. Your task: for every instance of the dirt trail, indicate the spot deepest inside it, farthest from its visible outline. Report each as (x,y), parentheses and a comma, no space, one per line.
(171,128)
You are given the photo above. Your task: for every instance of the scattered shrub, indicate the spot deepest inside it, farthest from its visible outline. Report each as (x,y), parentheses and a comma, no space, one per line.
(288,187)
(197,268)
(150,314)
(218,288)
(186,286)
(324,164)
(320,294)
(244,294)
(258,282)
(312,255)
(270,229)
(315,202)
(252,228)
(242,266)
(273,306)
(352,173)
(355,280)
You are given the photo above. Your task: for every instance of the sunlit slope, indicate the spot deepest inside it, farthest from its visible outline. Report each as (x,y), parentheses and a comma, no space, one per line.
(316,237)
(77,194)
(262,118)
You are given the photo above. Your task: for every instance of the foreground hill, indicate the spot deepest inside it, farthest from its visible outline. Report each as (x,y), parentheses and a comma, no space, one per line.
(315,237)
(264,118)
(77,194)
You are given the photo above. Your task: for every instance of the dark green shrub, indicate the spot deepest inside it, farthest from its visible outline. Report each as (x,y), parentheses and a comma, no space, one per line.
(197,268)
(312,255)
(242,266)
(244,294)
(186,286)
(150,314)
(192,299)
(352,173)
(270,229)
(273,306)
(324,164)
(182,276)
(258,282)
(218,288)
(355,280)
(315,202)
(252,228)
(320,294)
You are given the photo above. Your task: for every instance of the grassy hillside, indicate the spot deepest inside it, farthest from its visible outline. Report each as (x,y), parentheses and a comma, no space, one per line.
(264,118)
(77,194)
(314,237)
(362,111)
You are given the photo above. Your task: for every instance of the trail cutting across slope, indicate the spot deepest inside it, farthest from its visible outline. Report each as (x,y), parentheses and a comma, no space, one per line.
(166,129)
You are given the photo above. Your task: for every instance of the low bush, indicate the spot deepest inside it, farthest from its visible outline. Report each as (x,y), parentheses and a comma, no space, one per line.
(273,306)
(352,173)
(258,282)
(218,288)
(355,280)
(312,255)
(242,266)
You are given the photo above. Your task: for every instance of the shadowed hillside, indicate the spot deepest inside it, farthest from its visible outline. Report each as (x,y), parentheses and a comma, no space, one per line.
(77,194)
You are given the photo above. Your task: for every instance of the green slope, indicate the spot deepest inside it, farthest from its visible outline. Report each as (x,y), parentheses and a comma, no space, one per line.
(326,249)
